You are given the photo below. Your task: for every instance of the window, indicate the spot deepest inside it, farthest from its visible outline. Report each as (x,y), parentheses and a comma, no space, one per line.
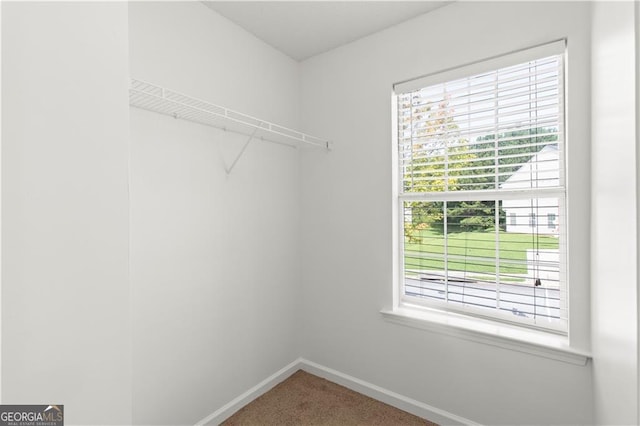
(476,145)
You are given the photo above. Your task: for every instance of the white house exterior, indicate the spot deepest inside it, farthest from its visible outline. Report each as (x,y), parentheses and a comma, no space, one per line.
(537,215)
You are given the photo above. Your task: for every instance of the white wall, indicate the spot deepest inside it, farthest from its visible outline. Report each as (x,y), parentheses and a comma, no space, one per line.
(347,218)
(215,272)
(614,211)
(637,24)
(65,289)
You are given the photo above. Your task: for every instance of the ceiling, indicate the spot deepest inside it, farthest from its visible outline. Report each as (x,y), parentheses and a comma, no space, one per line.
(302,29)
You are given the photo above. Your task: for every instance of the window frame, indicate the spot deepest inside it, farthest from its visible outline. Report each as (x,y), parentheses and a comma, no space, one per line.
(558,47)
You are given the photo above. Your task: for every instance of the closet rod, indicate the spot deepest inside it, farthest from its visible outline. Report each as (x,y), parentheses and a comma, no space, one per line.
(155,98)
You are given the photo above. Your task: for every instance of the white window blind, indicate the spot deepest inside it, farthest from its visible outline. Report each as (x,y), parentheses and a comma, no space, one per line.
(482,189)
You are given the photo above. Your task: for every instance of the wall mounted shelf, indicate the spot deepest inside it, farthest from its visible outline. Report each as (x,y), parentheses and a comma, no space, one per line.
(168,102)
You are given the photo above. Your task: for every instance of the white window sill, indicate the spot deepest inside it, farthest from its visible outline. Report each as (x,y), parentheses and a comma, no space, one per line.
(488,332)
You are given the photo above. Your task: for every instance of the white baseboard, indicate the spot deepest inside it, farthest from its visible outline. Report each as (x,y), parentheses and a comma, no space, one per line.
(376,392)
(227,410)
(388,397)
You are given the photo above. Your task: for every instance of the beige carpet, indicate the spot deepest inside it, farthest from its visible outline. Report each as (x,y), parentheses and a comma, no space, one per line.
(305,399)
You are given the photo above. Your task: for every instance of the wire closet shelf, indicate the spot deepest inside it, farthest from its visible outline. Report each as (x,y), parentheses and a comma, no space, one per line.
(177,105)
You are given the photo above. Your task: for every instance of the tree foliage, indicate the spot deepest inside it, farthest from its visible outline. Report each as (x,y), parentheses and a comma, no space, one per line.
(468,163)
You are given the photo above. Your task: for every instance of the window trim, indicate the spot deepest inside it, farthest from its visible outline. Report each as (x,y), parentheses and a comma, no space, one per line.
(478,67)
(427,317)
(488,332)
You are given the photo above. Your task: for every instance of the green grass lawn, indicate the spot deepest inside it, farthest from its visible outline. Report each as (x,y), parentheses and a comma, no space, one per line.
(473,252)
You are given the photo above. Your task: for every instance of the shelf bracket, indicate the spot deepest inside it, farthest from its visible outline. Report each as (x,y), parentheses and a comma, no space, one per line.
(244,147)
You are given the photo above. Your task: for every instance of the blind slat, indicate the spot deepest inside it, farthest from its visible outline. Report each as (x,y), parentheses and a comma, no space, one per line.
(481,187)
(476,68)
(419,99)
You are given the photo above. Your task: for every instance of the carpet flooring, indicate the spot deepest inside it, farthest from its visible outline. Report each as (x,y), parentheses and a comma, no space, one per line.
(305,399)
